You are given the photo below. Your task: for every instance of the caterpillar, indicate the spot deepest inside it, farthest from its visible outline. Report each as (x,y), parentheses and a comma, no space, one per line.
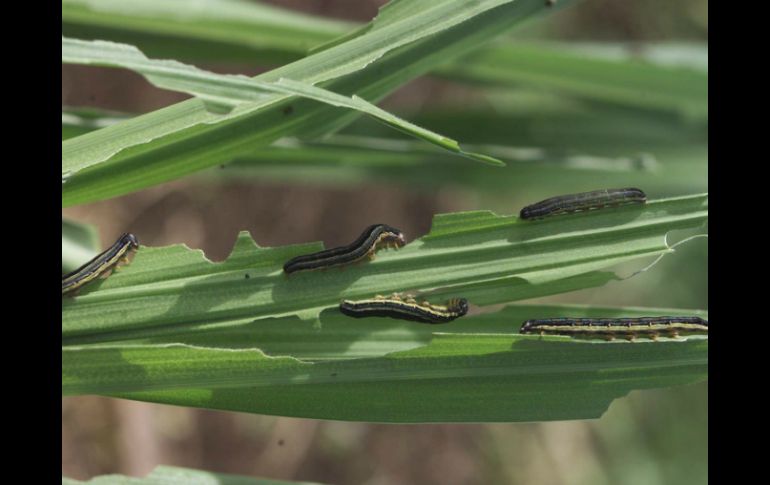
(584,201)
(405,309)
(610,328)
(100,265)
(368,243)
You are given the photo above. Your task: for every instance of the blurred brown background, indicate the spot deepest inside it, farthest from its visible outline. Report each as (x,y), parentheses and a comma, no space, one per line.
(650,437)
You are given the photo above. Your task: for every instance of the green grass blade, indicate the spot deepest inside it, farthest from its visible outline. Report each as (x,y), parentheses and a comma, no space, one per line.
(183,138)
(231,92)
(559,125)
(547,121)
(657,153)
(344,159)
(340,338)
(496,258)
(669,78)
(626,81)
(351,159)
(239,335)
(477,369)
(222,30)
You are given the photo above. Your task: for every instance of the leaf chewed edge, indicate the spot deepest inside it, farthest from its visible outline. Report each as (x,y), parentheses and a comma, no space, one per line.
(183,138)
(487,258)
(478,369)
(175,328)
(223,93)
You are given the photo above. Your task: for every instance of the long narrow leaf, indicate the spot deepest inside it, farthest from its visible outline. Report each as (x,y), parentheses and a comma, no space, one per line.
(652,155)
(478,370)
(495,258)
(221,29)
(185,137)
(670,78)
(175,328)
(627,81)
(340,152)
(231,92)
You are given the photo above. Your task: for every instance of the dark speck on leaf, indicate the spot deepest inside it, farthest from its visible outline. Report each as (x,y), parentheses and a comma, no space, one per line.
(288,110)
(246,276)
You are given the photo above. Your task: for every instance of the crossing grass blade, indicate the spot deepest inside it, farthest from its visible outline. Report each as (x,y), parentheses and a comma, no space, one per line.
(625,80)
(227,93)
(669,77)
(225,30)
(572,140)
(184,138)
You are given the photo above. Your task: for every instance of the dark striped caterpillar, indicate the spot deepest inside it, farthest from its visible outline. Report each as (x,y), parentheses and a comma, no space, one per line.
(368,243)
(101,265)
(407,308)
(610,328)
(585,201)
